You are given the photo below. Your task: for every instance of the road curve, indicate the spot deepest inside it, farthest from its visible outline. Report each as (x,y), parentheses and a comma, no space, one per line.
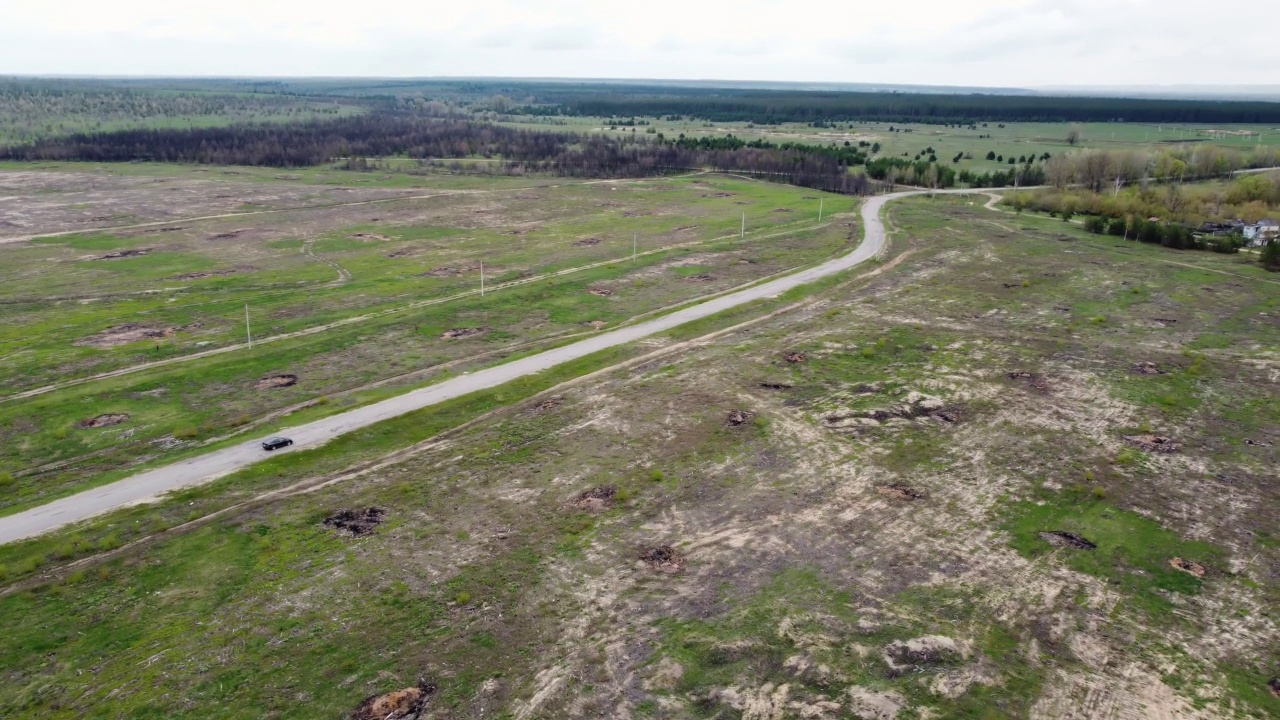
(198,470)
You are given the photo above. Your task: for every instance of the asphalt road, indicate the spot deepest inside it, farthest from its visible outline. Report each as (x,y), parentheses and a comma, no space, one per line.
(198,470)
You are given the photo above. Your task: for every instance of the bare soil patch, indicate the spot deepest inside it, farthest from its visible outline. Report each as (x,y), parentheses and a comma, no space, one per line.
(587,242)
(596,499)
(900,492)
(663,558)
(370,236)
(406,704)
(448,271)
(117,335)
(461,333)
(133,252)
(738,418)
(1147,368)
(276,381)
(795,357)
(1153,443)
(198,275)
(548,404)
(717,194)
(1060,538)
(104,420)
(358,523)
(927,650)
(775,386)
(781,210)
(1187,566)
(700,277)
(1037,382)
(404,252)
(229,235)
(599,291)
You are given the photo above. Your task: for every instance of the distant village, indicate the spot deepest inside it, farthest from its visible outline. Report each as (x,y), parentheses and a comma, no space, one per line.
(1255,234)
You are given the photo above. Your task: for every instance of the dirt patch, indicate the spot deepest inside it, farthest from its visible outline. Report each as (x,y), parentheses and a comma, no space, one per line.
(927,650)
(636,213)
(1037,382)
(406,704)
(717,195)
(1187,566)
(775,386)
(599,291)
(596,499)
(401,253)
(548,404)
(781,210)
(900,492)
(461,333)
(358,523)
(198,275)
(105,420)
(738,418)
(1059,538)
(135,252)
(276,381)
(795,357)
(448,271)
(229,235)
(117,335)
(1153,443)
(1147,368)
(663,558)
(948,414)
(587,242)
(370,236)
(700,277)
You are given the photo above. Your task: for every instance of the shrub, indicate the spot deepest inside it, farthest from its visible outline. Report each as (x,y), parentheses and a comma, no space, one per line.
(1270,256)
(1095,224)
(656,475)
(463,598)
(1117,227)
(184,432)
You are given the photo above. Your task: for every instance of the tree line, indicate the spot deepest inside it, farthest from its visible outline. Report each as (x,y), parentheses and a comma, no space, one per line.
(386,134)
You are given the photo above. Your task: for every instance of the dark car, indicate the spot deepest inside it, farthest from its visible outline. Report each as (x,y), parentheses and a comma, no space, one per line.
(275,443)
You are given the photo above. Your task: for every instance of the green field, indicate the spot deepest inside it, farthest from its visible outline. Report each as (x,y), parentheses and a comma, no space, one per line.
(867,541)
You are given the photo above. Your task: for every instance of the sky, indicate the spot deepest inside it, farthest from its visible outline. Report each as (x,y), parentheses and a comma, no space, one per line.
(990,43)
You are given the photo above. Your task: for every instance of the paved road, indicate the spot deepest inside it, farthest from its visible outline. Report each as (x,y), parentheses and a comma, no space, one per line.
(198,470)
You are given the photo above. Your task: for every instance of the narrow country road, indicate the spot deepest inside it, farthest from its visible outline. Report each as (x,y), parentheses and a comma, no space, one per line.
(153,483)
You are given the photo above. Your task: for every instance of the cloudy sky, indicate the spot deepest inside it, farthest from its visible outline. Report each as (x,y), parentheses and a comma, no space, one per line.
(1024,43)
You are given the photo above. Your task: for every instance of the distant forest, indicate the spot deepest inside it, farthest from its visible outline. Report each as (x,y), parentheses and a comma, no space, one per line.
(510,150)
(771,106)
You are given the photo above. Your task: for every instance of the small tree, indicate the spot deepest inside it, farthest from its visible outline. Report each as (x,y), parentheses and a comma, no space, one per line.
(991,154)
(1270,258)
(1073,136)
(1095,224)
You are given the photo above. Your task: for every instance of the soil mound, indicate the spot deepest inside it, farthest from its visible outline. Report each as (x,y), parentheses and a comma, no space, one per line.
(134,252)
(900,492)
(276,381)
(1187,566)
(664,558)
(795,357)
(596,499)
(1153,443)
(1147,368)
(1037,382)
(1059,538)
(587,242)
(406,704)
(925,650)
(356,522)
(117,335)
(739,417)
(548,404)
(601,292)
(104,420)
(461,333)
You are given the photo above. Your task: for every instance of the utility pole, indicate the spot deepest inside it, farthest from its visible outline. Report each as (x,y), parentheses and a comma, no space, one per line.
(248,335)
(743,232)
(481,278)
(634,240)
(820,209)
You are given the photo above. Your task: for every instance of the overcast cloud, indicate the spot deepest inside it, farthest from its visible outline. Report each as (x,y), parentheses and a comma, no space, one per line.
(1023,43)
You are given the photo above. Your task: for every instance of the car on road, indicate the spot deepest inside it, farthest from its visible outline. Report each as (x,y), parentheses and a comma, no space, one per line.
(275,443)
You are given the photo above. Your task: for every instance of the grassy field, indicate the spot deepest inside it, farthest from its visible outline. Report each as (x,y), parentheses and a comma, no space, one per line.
(388,280)
(858,530)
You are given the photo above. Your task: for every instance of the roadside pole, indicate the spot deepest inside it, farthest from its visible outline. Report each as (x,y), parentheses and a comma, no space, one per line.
(481,278)
(820,200)
(743,232)
(247,334)
(634,240)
